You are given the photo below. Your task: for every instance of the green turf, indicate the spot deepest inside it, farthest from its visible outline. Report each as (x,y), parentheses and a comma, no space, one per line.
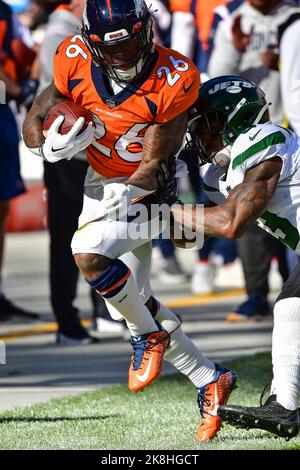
(164,416)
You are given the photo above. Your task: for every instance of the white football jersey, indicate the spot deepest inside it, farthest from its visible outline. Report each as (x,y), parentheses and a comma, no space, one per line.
(262,142)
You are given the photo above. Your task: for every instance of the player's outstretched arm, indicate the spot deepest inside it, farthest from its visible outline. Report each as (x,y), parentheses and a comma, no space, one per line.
(33,124)
(245,203)
(161,142)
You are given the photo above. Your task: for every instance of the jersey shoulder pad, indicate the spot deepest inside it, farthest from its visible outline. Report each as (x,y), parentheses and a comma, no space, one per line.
(261,142)
(73,47)
(179,81)
(70,56)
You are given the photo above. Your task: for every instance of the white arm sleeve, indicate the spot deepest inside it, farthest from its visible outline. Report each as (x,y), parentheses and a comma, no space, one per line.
(183,33)
(290,74)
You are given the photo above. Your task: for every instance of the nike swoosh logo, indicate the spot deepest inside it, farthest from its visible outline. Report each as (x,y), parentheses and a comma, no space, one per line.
(144,377)
(186,90)
(255,135)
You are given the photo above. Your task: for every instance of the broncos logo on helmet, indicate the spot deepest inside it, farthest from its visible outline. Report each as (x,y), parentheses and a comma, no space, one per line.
(119,36)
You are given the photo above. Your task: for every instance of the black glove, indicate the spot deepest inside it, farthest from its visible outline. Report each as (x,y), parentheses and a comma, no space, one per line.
(167,183)
(167,186)
(28,93)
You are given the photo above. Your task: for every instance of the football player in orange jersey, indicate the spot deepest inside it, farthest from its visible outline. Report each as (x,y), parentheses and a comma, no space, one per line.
(140,95)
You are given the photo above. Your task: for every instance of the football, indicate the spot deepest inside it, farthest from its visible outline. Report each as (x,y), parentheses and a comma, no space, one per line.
(71,113)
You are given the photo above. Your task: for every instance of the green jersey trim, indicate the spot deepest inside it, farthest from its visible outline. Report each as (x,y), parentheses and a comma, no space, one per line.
(285,231)
(272,139)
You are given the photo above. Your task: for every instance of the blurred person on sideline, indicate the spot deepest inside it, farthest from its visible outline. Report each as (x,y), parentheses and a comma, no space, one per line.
(193,27)
(194,23)
(288,39)
(11,183)
(246,45)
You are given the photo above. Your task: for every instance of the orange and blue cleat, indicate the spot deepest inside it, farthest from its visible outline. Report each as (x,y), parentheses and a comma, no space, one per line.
(210,397)
(147,358)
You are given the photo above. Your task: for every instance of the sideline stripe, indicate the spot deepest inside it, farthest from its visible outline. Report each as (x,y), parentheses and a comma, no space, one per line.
(35,330)
(195,300)
(189,301)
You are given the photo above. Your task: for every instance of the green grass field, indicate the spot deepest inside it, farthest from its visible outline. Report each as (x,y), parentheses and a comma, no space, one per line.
(164,416)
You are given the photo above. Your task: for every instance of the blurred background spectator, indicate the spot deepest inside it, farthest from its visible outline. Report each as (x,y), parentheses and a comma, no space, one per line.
(246,44)
(14,73)
(288,38)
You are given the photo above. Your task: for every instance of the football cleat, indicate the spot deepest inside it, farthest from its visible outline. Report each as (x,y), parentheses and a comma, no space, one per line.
(271,417)
(255,308)
(210,397)
(76,335)
(147,358)
(9,311)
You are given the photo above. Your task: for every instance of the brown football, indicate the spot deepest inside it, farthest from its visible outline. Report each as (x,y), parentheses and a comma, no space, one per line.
(71,112)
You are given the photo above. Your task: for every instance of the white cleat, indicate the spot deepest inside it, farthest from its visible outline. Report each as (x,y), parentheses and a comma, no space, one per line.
(203,279)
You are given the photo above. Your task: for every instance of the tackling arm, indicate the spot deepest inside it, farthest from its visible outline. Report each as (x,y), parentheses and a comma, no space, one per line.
(161,142)
(244,205)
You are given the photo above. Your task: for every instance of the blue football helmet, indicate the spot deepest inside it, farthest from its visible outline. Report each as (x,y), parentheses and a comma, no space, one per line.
(119,36)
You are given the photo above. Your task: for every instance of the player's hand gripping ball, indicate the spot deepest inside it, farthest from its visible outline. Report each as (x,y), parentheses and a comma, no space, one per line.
(69,129)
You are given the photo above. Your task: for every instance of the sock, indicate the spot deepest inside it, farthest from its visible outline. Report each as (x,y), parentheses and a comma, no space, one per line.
(118,288)
(183,354)
(286,352)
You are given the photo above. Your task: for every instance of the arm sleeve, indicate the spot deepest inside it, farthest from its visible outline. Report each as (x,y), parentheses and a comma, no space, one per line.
(225,58)
(290,74)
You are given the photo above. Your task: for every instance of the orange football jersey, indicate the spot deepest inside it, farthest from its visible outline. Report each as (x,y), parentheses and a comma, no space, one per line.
(180,5)
(168,86)
(203,10)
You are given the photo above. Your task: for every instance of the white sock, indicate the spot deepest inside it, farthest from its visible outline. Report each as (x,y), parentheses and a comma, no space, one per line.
(183,354)
(286,352)
(130,305)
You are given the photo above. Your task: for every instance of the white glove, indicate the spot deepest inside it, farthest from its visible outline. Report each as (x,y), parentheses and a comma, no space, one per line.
(118,198)
(57,146)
